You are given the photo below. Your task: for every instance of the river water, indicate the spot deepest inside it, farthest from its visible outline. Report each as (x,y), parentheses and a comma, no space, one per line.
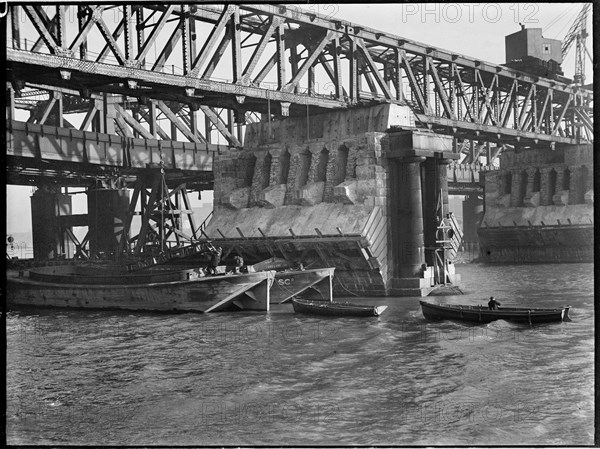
(121,378)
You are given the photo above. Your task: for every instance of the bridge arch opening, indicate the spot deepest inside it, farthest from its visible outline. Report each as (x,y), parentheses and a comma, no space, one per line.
(321,174)
(248,170)
(566,184)
(507,184)
(266,179)
(284,167)
(551,183)
(537,181)
(341,163)
(305,161)
(523,187)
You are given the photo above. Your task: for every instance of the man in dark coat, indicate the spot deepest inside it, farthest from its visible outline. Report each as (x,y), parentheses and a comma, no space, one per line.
(239,263)
(493,304)
(215,259)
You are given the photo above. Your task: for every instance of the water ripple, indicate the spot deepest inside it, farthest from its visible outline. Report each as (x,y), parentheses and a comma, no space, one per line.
(283,379)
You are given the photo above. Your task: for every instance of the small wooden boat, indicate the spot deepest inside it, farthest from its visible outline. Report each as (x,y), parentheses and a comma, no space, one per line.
(482,314)
(335,308)
(152,290)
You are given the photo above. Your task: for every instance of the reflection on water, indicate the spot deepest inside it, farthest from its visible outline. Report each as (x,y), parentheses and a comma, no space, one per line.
(249,378)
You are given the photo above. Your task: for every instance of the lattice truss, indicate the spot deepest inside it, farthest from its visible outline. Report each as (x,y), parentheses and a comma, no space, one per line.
(136,64)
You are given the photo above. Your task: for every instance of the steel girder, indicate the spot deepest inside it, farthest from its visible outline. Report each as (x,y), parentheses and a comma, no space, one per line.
(279,58)
(126,116)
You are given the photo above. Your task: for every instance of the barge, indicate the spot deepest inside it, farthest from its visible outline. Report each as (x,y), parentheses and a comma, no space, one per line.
(183,290)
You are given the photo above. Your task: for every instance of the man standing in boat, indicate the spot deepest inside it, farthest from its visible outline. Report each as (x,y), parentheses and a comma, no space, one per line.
(493,304)
(215,259)
(239,263)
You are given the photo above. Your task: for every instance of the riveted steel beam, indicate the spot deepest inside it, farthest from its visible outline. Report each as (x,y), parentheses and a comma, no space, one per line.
(441,84)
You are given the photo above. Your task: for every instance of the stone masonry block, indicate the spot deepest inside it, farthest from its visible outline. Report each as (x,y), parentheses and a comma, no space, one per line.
(561,198)
(502,201)
(345,192)
(272,196)
(365,172)
(365,188)
(310,194)
(365,160)
(368,201)
(532,200)
(354,192)
(237,199)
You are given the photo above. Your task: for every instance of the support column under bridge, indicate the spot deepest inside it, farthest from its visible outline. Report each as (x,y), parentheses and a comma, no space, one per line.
(53,223)
(348,196)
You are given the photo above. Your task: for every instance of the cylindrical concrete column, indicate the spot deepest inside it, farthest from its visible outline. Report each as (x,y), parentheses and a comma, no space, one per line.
(107,212)
(48,239)
(442,182)
(430,205)
(410,241)
(435,186)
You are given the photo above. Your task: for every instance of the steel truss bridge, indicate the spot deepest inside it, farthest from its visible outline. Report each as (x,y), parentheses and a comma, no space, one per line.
(199,73)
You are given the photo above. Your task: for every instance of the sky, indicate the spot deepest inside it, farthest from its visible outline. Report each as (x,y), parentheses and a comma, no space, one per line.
(473,29)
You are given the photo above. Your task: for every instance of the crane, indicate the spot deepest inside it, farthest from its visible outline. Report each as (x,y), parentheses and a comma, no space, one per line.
(578,34)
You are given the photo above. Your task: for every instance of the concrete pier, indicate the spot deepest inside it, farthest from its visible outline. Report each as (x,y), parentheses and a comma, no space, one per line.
(408,219)
(539,206)
(47,208)
(349,197)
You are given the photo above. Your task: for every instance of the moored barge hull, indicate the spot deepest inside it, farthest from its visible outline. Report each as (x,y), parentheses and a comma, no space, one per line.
(203,294)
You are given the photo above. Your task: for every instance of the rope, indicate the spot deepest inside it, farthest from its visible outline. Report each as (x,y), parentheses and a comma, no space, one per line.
(269,112)
(560,16)
(570,21)
(307,122)
(344,287)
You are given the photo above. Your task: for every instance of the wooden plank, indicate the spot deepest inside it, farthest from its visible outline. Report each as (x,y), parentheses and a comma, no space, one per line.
(372,218)
(379,246)
(381,226)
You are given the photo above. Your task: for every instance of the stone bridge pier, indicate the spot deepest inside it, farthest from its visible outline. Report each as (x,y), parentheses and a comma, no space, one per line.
(539,207)
(363,194)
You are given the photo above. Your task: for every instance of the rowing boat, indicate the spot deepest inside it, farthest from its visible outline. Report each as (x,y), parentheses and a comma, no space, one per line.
(335,308)
(482,314)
